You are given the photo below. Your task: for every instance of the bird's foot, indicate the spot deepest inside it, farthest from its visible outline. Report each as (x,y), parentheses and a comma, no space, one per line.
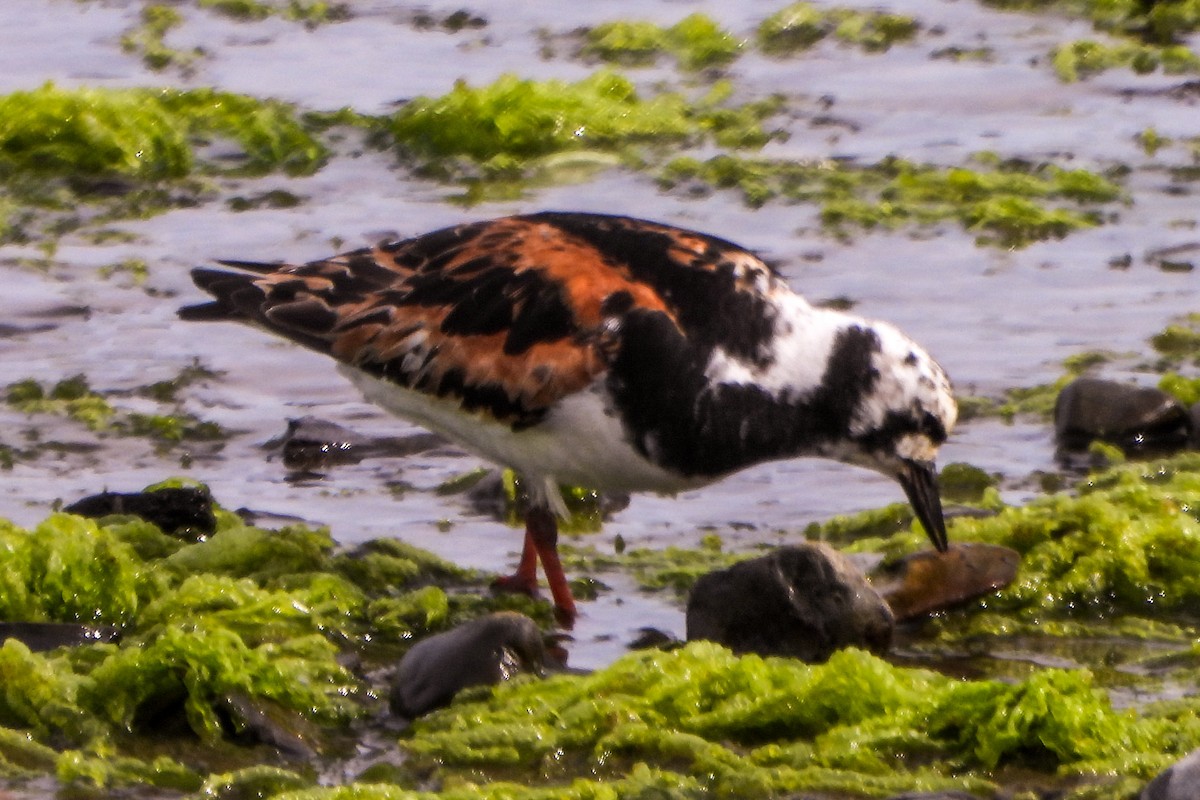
(516,583)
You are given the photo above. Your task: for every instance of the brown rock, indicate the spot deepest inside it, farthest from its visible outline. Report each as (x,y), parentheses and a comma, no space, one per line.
(929,581)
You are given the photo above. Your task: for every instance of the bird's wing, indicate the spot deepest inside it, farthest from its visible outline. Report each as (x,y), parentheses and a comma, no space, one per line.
(508,315)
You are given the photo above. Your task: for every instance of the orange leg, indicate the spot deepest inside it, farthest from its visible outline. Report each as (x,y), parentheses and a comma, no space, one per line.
(541,542)
(542,528)
(524,580)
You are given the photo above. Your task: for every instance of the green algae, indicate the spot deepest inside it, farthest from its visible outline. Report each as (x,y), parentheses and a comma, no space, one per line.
(802,25)
(137,270)
(148,39)
(224,617)
(257,781)
(68,569)
(1184,389)
(38,696)
(310,12)
(1004,202)
(1118,548)
(91,132)
(1153,23)
(70,397)
(672,568)
(696,41)
(204,664)
(1179,341)
(73,156)
(1147,36)
(248,613)
(1082,59)
(74,399)
(88,772)
(502,126)
(146,134)
(964,483)
(726,726)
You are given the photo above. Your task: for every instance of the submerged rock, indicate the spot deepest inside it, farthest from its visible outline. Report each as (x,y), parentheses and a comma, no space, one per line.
(311,444)
(804,601)
(42,636)
(257,719)
(928,581)
(185,511)
(1131,417)
(1180,781)
(484,651)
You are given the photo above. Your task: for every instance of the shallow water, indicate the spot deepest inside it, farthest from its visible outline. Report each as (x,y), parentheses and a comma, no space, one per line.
(995,318)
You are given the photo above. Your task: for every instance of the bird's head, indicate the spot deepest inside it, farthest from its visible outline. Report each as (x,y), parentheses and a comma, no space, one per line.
(905,409)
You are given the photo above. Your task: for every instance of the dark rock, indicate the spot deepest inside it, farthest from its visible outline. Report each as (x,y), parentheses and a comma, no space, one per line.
(805,602)
(1194,414)
(1134,418)
(1180,781)
(186,512)
(929,581)
(256,719)
(653,639)
(42,636)
(481,652)
(311,444)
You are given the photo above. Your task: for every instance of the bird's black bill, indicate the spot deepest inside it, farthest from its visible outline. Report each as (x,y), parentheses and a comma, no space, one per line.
(919,479)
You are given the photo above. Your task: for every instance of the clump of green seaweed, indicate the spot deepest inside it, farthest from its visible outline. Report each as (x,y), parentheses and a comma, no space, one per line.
(75,399)
(310,12)
(1146,36)
(1118,547)
(1083,58)
(148,39)
(502,126)
(696,41)
(1156,23)
(145,134)
(802,25)
(1005,203)
(70,154)
(700,722)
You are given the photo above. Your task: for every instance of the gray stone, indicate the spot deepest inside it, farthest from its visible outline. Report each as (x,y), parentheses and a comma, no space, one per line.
(1180,781)
(312,445)
(804,601)
(484,651)
(1131,417)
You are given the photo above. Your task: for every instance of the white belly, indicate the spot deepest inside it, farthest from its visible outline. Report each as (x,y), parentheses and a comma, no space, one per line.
(578,443)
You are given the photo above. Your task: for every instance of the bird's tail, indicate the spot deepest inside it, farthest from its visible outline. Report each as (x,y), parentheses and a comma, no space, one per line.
(234,294)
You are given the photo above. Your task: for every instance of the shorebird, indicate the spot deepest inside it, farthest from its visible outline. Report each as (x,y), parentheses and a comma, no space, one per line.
(605,352)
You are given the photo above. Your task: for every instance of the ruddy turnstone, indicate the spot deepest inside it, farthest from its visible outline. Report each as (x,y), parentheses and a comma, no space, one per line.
(606,352)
